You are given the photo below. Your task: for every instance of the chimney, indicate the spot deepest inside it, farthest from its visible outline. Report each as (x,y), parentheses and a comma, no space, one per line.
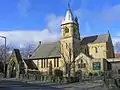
(39,42)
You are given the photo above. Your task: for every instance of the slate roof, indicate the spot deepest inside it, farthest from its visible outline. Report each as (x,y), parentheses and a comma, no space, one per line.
(95,39)
(16,52)
(47,50)
(30,64)
(53,49)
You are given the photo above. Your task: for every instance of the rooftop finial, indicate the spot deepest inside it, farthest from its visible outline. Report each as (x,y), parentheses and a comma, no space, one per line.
(108,30)
(69,4)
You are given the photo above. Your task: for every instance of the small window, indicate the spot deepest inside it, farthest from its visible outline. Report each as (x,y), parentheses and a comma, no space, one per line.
(54,62)
(57,62)
(81,64)
(96,65)
(96,50)
(41,63)
(66,30)
(47,63)
(44,63)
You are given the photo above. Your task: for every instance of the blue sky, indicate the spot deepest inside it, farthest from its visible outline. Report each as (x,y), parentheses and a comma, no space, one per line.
(40,19)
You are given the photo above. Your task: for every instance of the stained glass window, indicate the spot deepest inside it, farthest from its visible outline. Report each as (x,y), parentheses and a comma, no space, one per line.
(96,66)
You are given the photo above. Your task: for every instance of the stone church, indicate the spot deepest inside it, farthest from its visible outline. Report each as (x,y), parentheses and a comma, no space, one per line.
(87,54)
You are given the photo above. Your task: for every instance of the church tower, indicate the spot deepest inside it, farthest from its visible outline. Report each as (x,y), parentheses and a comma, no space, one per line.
(70,36)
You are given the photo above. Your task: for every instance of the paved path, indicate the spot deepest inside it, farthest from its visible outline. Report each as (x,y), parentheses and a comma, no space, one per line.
(17,85)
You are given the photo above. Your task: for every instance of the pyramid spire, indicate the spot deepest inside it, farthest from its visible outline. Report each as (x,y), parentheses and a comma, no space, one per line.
(108,31)
(69,18)
(68,5)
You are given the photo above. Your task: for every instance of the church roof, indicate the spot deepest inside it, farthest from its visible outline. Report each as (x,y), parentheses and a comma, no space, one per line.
(49,50)
(69,17)
(95,39)
(17,54)
(30,64)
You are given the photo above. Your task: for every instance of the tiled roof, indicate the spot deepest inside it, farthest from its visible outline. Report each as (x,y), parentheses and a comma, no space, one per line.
(53,49)
(95,39)
(16,53)
(47,50)
(30,64)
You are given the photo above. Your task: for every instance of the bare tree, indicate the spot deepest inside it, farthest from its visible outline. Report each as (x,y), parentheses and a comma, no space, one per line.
(69,60)
(2,55)
(2,52)
(27,50)
(117,46)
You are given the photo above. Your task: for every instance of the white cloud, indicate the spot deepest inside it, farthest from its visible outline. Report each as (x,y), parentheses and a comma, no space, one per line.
(24,7)
(53,23)
(50,33)
(21,37)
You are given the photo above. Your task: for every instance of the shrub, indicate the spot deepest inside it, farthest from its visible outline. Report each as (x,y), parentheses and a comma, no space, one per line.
(58,73)
(78,73)
(101,73)
(90,74)
(95,74)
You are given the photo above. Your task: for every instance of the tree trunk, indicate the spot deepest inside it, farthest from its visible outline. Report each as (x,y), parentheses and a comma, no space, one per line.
(69,76)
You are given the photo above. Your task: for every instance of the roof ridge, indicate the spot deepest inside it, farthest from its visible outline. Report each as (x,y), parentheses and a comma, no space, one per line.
(49,43)
(96,35)
(35,49)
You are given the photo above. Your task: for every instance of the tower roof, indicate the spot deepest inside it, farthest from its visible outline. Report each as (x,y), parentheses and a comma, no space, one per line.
(69,18)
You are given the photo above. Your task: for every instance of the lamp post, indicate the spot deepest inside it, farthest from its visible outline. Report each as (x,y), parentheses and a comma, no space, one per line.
(5,53)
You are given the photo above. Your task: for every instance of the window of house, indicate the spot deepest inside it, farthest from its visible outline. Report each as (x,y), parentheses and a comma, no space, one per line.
(47,63)
(81,64)
(44,63)
(41,63)
(66,30)
(57,62)
(96,50)
(96,65)
(54,62)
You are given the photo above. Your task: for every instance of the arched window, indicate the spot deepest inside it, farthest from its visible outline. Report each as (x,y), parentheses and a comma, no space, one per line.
(81,64)
(66,30)
(96,50)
